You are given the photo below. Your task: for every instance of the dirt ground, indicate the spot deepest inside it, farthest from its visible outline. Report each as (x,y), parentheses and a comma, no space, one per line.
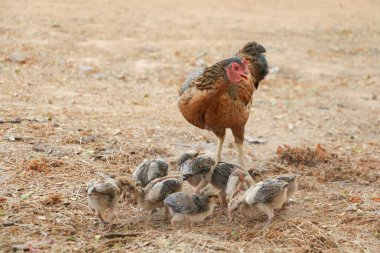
(91,88)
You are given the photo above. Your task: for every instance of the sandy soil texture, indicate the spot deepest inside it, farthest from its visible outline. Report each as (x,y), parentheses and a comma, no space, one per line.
(89,88)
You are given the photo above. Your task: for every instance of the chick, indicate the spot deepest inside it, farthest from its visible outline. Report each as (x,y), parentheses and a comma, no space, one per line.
(153,195)
(291,179)
(104,195)
(190,208)
(229,179)
(149,170)
(255,174)
(197,169)
(238,204)
(238,181)
(264,197)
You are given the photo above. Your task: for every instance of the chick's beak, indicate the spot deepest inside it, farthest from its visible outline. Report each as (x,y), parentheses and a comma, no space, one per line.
(230,216)
(216,199)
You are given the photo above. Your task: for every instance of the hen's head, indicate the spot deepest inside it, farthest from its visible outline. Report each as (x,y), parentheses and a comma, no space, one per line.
(237,70)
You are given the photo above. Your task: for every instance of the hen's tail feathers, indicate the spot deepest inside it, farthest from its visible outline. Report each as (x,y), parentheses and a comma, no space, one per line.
(253,49)
(256,52)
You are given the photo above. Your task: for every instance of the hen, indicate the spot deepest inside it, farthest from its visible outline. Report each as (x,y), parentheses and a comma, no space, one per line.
(220,96)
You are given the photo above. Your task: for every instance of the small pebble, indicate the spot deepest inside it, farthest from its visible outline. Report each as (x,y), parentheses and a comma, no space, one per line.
(9,223)
(18,57)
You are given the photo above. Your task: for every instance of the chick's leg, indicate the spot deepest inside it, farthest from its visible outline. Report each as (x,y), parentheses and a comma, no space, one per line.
(239,138)
(220,133)
(222,196)
(202,184)
(270,214)
(166,217)
(176,219)
(99,214)
(205,180)
(112,218)
(172,222)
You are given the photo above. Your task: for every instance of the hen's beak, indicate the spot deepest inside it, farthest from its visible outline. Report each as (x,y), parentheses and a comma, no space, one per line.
(244,76)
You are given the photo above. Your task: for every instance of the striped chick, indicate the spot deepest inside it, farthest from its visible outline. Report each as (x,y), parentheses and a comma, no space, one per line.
(197,169)
(190,208)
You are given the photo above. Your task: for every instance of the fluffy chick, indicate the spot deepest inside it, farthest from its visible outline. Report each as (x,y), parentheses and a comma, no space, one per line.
(190,208)
(152,196)
(229,179)
(264,197)
(238,181)
(149,170)
(291,179)
(238,205)
(104,195)
(197,169)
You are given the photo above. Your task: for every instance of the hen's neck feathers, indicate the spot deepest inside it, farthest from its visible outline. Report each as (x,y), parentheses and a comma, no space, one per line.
(214,78)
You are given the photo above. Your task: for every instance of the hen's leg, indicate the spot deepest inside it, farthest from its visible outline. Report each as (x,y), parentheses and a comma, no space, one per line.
(239,138)
(220,133)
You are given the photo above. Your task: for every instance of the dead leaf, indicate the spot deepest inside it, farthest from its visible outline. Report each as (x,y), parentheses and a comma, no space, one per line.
(52,199)
(38,166)
(356,199)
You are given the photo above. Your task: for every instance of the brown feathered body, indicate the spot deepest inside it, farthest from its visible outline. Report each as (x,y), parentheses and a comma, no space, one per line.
(211,99)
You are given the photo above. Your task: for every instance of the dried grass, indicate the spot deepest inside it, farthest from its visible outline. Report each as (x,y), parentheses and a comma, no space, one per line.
(304,155)
(75,126)
(52,199)
(54,205)
(326,166)
(38,166)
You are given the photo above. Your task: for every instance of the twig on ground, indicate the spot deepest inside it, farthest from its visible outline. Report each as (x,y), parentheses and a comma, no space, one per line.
(115,235)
